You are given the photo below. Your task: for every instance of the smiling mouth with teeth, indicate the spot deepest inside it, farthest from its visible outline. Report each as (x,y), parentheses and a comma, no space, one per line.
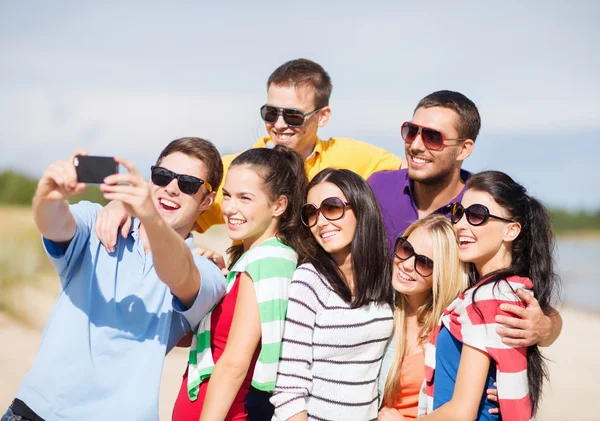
(418,160)
(404,277)
(328,234)
(168,205)
(235,221)
(283,136)
(466,240)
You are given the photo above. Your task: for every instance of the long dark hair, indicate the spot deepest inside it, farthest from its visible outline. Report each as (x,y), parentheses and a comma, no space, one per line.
(283,174)
(371,263)
(532,256)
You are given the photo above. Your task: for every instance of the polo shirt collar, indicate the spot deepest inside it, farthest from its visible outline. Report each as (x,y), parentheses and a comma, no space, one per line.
(266,142)
(135,228)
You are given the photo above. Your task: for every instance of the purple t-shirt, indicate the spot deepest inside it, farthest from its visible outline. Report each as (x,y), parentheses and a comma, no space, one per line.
(393,191)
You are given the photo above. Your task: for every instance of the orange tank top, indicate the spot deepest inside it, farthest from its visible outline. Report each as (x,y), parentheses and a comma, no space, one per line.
(412,374)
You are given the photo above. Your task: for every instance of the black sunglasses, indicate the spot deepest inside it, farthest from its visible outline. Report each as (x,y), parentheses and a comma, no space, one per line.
(291,116)
(332,208)
(404,251)
(432,139)
(476,214)
(188,184)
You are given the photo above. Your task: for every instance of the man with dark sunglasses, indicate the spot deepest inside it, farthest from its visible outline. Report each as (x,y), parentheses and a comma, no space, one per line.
(119,313)
(297,105)
(440,136)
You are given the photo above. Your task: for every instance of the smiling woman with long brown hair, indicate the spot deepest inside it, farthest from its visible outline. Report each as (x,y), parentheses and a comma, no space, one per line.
(339,316)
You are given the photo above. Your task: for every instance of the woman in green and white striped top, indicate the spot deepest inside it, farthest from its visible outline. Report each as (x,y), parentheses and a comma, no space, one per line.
(236,348)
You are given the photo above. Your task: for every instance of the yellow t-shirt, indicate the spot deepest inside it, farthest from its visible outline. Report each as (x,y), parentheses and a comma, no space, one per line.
(360,157)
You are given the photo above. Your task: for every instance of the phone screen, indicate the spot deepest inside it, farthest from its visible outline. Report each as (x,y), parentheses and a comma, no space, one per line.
(94,169)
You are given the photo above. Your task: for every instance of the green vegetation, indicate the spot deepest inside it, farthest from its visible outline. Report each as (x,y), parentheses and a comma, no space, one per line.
(575,223)
(22,257)
(17,189)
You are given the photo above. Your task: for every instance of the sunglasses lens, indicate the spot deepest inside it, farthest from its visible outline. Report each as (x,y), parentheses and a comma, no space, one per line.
(309,215)
(188,184)
(456,212)
(269,114)
(161,176)
(293,118)
(476,214)
(409,132)
(332,208)
(423,265)
(403,249)
(432,139)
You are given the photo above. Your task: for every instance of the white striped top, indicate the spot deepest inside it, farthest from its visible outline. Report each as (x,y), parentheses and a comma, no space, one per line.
(331,353)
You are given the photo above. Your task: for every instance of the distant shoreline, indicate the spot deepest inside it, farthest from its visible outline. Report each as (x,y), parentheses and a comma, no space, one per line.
(587,234)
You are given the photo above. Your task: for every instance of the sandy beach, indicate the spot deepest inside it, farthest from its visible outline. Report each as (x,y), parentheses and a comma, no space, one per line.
(573,363)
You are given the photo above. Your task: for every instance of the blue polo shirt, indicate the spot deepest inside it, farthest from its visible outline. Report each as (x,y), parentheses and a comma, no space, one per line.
(393,190)
(103,347)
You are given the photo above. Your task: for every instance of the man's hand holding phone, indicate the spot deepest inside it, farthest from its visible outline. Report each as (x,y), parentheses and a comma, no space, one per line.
(131,189)
(59,181)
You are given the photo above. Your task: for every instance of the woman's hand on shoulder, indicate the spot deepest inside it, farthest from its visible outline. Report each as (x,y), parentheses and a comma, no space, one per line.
(217,258)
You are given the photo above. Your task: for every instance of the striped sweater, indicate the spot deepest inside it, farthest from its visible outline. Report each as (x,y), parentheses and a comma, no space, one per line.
(464,322)
(271,265)
(331,353)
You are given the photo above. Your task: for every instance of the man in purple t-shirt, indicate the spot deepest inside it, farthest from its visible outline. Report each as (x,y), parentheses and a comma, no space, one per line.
(440,136)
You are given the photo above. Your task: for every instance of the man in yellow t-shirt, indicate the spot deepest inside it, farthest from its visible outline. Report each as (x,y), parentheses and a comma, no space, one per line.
(297,105)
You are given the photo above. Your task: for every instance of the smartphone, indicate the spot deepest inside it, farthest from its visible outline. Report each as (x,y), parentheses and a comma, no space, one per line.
(94,169)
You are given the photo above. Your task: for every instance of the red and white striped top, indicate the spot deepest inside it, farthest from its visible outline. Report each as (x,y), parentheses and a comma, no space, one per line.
(478,329)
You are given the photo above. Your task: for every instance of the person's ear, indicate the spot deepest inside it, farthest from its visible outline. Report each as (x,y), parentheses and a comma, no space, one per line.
(465,149)
(324,115)
(280,205)
(207,202)
(513,229)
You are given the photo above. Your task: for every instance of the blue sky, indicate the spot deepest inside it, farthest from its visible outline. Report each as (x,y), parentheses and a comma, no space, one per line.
(124,78)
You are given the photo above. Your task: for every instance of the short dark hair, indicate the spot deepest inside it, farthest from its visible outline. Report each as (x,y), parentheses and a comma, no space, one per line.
(469,120)
(201,149)
(303,73)
(369,250)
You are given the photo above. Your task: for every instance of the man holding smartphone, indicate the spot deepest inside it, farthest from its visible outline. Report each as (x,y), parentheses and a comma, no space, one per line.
(119,313)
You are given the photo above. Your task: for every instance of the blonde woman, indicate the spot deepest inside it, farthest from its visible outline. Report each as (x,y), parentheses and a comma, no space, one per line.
(427,277)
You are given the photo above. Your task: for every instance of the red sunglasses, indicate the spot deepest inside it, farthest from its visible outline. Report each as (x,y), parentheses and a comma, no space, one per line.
(432,139)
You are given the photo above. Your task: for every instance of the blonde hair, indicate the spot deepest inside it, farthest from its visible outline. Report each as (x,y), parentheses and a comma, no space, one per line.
(450,278)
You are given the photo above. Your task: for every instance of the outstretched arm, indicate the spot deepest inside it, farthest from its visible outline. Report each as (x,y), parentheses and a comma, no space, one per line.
(172,258)
(50,207)
(530,325)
